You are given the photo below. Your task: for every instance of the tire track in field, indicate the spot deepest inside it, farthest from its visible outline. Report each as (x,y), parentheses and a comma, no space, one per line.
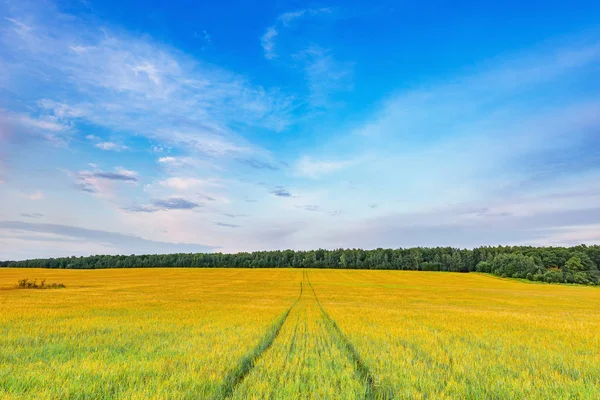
(237,375)
(293,343)
(373,392)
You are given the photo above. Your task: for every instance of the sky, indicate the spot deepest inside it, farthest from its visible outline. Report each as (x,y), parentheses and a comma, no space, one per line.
(134,127)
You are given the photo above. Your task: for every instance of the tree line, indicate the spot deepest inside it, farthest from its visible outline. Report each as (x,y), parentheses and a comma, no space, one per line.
(578,264)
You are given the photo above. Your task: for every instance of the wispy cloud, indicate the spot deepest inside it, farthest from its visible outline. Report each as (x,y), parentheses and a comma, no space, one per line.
(121,175)
(267,42)
(102,182)
(226,225)
(24,125)
(285,20)
(107,146)
(32,215)
(131,84)
(258,164)
(234,215)
(114,176)
(281,192)
(19,26)
(325,76)
(42,123)
(183,183)
(80,241)
(111,146)
(175,203)
(168,160)
(37,195)
(307,167)
(168,204)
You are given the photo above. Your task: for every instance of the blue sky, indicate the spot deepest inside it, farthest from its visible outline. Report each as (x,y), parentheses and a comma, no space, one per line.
(143,127)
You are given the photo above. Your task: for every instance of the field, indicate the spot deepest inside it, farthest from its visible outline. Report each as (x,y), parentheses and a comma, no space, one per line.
(295,333)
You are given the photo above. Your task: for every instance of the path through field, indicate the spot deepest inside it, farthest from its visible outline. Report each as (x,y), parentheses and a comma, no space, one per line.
(310,358)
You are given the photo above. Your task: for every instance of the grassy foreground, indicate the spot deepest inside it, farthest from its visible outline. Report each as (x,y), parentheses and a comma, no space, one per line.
(293,333)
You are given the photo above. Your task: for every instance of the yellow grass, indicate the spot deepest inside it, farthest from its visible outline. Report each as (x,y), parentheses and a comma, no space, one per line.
(167,333)
(203,333)
(445,335)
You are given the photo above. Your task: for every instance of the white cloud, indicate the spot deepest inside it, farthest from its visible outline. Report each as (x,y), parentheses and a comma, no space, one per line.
(43,123)
(37,195)
(22,240)
(60,110)
(325,76)
(288,17)
(213,144)
(159,149)
(284,20)
(111,146)
(181,183)
(104,184)
(168,160)
(126,172)
(569,235)
(106,146)
(310,168)
(267,42)
(188,165)
(20,27)
(47,126)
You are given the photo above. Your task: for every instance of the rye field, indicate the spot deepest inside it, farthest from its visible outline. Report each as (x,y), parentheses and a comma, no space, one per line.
(295,333)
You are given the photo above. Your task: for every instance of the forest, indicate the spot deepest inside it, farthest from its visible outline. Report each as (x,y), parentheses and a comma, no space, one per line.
(578,264)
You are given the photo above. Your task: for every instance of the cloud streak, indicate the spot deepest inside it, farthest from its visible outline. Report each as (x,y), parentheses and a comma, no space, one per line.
(37,195)
(32,215)
(225,225)
(114,176)
(283,21)
(281,192)
(107,242)
(110,146)
(175,203)
(102,183)
(168,204)
(307,167)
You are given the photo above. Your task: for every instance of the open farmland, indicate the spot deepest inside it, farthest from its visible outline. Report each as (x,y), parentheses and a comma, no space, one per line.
(295,333)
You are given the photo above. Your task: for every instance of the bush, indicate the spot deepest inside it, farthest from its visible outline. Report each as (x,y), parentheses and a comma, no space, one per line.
(529,276)
(484,266)
(512,265)
(429,266)
(568,276)
(581,278)
(27,284)
(594,276)
(553,277)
